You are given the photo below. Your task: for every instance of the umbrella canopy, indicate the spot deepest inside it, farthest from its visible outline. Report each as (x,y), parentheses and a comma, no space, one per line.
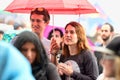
(49,28)
(53,6)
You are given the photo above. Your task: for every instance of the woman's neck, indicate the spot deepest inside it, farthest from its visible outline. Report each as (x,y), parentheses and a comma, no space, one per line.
(73,49)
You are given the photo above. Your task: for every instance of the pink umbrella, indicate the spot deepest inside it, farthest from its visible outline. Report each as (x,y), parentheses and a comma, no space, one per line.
(53,6)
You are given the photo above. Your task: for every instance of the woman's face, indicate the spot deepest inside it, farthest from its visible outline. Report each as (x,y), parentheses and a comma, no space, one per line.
(70,36)
(29,51)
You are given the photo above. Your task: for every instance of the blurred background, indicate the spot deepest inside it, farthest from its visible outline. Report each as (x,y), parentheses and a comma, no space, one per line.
(107,12)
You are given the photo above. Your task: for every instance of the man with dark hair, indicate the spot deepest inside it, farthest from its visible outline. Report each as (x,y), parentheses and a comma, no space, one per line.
(107,32)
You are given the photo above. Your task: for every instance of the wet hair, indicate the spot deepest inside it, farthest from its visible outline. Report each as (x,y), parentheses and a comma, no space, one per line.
(41,11)
(56,29)
(82,38)
(41,61)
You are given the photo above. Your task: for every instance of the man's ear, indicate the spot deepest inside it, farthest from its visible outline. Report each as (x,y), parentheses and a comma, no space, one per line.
(47,22)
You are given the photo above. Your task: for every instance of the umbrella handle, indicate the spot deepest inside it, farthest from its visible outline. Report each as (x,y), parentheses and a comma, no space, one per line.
(53,21)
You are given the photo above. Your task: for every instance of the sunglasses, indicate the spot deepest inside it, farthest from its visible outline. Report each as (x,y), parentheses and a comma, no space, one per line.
(38,9)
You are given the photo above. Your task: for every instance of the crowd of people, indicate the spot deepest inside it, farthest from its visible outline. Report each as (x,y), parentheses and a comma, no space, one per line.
(60,56)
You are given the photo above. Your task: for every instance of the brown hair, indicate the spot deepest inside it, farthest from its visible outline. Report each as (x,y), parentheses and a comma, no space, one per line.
(82,39)
(41,11)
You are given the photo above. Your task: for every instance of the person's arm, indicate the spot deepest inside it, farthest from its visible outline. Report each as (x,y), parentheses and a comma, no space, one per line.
(52,73)
(54,50)
(54,59)
(90,68)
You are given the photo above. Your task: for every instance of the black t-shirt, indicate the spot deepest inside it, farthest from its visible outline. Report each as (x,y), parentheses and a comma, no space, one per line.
(87,65)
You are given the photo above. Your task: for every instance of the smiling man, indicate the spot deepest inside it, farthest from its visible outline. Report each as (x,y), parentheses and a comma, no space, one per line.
(40,18)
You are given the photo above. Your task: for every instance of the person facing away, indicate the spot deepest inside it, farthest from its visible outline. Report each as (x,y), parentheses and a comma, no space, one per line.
(40,18)
(76,50)
(13,65)
(107,32)
(31,47)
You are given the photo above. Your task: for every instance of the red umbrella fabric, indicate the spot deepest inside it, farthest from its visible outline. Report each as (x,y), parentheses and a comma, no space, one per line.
(53,6)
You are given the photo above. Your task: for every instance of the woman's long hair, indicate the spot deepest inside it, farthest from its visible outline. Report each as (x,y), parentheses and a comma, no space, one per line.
(82,39)
(41,61)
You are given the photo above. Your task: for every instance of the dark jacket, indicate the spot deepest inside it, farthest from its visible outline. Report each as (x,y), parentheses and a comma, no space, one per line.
(50,74)
(98,56)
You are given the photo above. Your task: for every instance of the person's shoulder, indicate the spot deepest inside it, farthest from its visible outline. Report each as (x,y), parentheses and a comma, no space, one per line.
(51,65)
(45,41)
(86,52)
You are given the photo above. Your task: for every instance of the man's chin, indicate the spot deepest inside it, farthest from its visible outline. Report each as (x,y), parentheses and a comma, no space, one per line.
(105,39)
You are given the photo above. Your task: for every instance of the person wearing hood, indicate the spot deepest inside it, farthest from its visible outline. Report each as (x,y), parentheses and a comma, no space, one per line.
(31,47)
